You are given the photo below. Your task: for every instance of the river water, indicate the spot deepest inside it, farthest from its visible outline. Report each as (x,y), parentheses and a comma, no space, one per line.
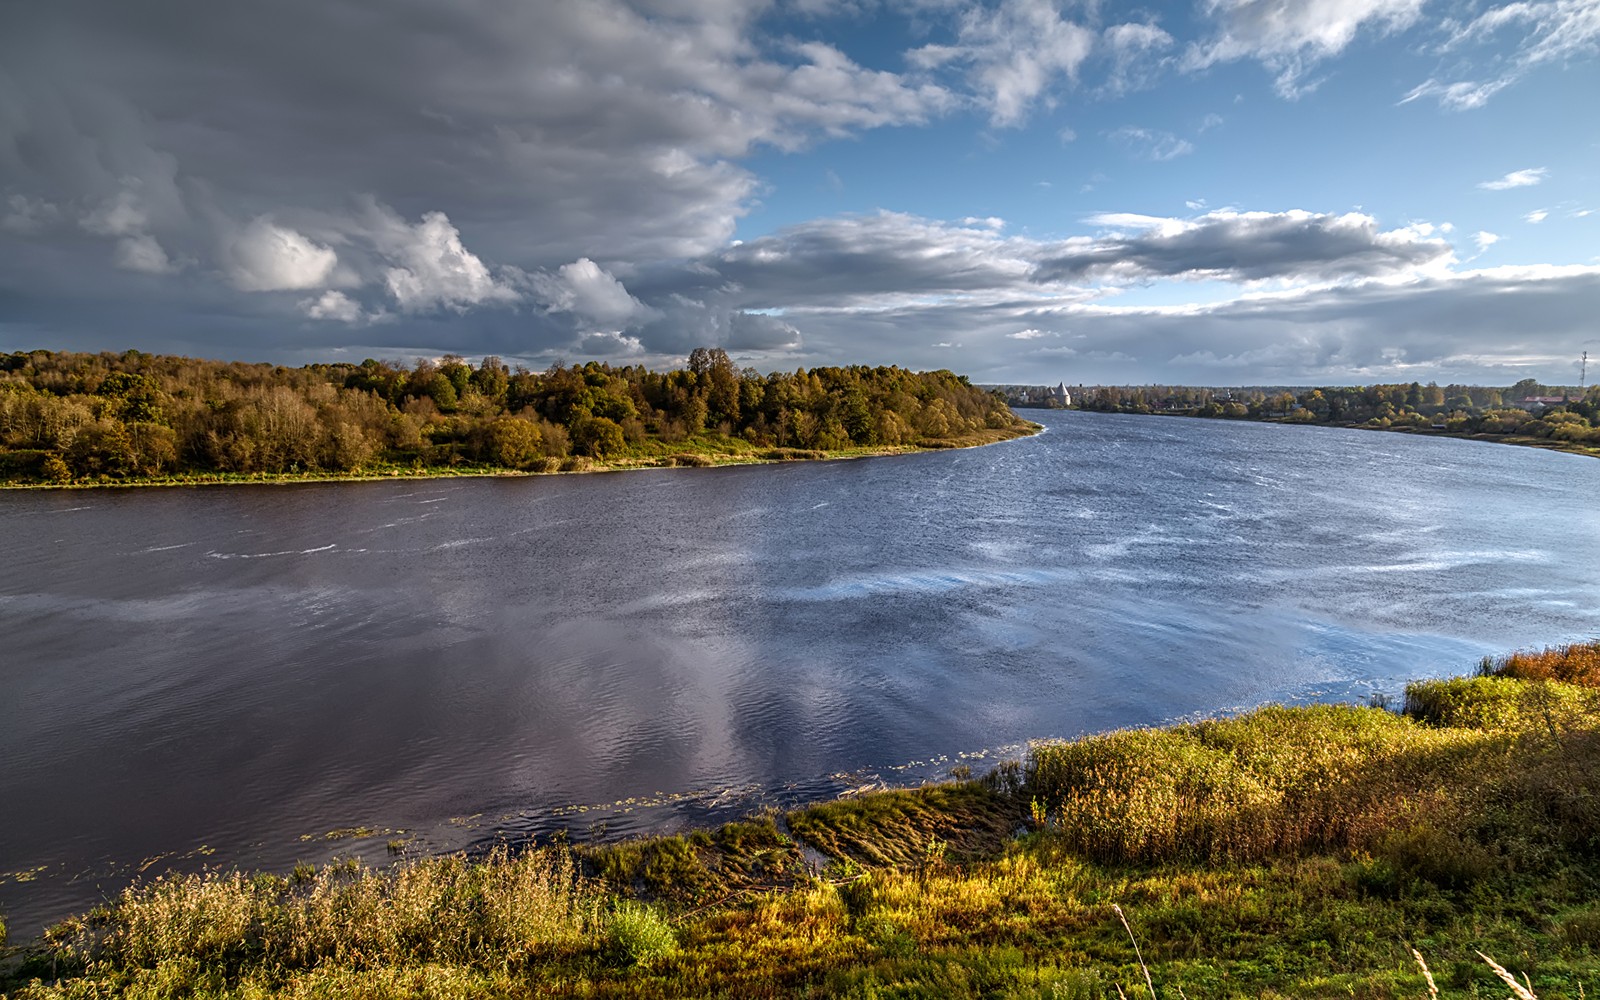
(227,675)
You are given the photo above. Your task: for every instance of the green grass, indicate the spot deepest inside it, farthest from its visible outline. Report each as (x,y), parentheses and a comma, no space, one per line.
(1288,852)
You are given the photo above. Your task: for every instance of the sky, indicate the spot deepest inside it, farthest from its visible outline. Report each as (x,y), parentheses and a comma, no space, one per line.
(1222,192)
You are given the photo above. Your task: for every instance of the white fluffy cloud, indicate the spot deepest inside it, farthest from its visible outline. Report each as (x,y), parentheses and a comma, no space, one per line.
(431,268)
(589,290)
(609,344)
(1290,37)
(332,305)
(266,257)
(1516,179)
(1014,53)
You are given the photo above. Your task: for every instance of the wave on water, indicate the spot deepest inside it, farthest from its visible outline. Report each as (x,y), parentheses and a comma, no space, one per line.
(270,555)
(950,580)
(1432,563)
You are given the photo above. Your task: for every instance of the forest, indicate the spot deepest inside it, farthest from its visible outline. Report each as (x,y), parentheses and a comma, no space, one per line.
(1526,410)
(92,418)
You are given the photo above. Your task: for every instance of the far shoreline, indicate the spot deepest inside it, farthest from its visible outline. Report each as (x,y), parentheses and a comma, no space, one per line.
(1519,440)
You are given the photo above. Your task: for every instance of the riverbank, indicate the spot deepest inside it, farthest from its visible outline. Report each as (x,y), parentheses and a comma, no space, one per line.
(1286,852)
(705,452)
(1570,447)
(1548,444)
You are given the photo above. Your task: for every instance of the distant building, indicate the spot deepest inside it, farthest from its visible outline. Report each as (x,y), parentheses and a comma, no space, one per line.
(1531,403)
(1058,396)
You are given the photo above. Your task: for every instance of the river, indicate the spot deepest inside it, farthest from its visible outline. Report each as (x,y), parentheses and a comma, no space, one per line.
(227,675)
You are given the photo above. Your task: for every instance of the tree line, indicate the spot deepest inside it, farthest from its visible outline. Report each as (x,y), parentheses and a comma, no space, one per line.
(1526,409)
(74,416)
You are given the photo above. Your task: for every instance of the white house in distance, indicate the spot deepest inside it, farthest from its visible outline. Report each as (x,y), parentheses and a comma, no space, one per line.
(1059,395)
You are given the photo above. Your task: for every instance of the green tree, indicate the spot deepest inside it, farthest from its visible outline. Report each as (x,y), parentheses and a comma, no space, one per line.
(512,442)
(598,437)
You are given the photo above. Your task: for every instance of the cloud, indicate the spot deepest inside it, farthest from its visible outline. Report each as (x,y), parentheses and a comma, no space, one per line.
(529,179)
(1013,53)
(1514,39)
(25,216)
(605,130)
(1290,37)
(1537,215)
(1460,96)
(122,215)
(589,290)
(431,268)
(845,259)
(1489,326)
(607,344)
(1246,246)
(761,332)
(266,257)
(1028,334)
(142,253)
(1516,179)
(332,305)
(1484,240)
(1135,51)
(1151,144)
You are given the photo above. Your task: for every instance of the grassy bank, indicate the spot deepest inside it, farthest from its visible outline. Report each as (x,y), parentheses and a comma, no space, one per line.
(702,452)
(1288,852)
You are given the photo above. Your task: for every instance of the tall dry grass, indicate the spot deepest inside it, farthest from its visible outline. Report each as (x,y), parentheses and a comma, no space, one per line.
(1578,663)
(503,910)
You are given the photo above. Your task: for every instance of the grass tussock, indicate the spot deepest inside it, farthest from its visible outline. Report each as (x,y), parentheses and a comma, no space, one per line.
(1308,852)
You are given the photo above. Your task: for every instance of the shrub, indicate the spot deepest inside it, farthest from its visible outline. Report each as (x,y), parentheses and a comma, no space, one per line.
(1582,929)
(1500,704)
(640,934)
